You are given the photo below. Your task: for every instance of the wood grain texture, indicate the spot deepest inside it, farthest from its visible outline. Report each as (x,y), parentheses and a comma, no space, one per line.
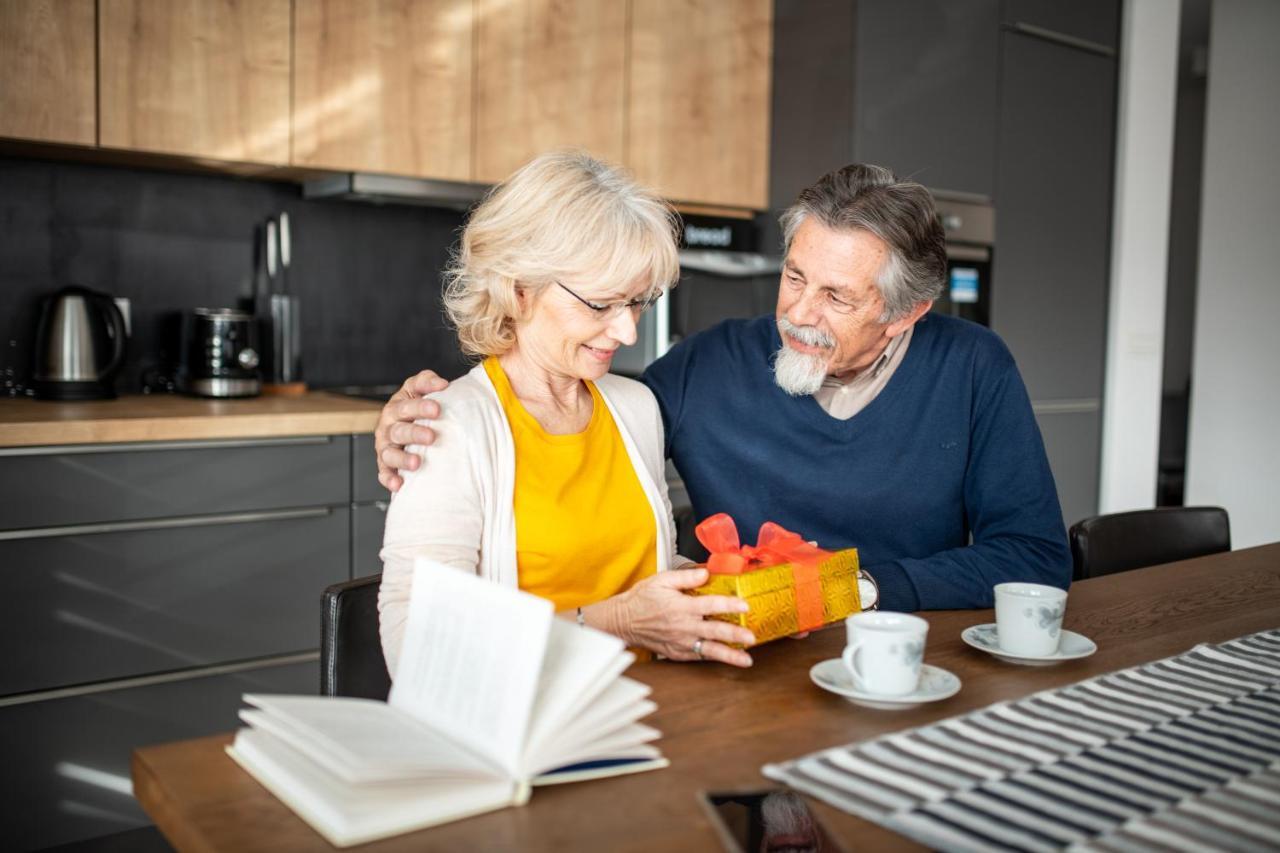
(698,116)
(195,78)
(720,725)
(549,74)
(384,86)
(165,417)
(47,76)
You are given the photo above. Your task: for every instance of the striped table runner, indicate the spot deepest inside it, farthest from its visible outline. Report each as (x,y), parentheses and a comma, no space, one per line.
(1179,754)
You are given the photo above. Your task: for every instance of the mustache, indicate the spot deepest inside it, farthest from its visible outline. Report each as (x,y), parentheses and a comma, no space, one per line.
(808,335)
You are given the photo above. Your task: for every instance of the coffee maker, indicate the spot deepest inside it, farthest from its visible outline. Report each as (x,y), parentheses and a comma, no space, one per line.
(80,346)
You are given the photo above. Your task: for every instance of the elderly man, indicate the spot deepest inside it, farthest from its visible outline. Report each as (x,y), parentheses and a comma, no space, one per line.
(853,416)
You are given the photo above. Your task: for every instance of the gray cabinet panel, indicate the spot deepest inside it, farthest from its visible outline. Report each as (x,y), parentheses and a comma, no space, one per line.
(367,523)
(811,132)
(1053,196)
(926,95)
(1093,20)
(1072,443)
(66,761)
(365,487)
(172,480)
(102,606)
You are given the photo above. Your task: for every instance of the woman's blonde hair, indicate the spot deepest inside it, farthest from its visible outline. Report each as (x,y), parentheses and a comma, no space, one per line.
(564,216)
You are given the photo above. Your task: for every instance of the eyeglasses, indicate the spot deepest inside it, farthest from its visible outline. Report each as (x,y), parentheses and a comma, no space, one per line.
(609,311)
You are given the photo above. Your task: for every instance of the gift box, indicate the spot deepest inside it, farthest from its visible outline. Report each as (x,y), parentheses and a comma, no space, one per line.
(790,584)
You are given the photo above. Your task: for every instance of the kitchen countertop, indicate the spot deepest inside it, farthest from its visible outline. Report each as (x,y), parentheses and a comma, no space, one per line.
(26,422)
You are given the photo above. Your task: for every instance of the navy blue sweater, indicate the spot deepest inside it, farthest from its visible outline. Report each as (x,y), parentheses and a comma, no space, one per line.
(947,451)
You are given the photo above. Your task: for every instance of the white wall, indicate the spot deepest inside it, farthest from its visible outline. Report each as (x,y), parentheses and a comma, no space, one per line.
(1233,452)
(1139,255)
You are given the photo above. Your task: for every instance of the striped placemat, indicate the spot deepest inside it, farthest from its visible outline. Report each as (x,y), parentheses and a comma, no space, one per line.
(1179,754)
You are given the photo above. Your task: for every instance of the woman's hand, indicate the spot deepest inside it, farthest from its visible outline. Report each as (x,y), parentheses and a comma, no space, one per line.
(656,614)
(396,428)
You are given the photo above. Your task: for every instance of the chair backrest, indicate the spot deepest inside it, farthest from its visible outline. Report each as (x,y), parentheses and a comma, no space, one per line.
(351,662)
(1106,544)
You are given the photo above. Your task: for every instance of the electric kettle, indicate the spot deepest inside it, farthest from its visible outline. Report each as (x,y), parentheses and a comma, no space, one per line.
(80,346)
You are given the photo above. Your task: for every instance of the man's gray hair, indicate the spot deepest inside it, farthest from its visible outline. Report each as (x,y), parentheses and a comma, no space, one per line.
(901,213)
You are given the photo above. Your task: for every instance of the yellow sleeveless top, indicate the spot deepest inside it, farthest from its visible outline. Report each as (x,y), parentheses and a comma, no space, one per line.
(584,528)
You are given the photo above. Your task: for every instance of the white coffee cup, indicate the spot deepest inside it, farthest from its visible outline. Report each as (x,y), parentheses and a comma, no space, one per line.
(885,651)
(1029,617)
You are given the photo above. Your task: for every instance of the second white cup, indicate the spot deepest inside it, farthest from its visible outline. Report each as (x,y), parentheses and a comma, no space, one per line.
(885,651)
(1029,617)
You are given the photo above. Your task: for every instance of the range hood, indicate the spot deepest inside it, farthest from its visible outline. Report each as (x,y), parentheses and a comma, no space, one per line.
(391,189)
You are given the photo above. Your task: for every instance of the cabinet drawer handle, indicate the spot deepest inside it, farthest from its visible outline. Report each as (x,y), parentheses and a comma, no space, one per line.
(1062,38)
(165,523)
(147,446)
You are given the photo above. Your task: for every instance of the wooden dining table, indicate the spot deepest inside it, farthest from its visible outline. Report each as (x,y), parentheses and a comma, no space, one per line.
(720,725)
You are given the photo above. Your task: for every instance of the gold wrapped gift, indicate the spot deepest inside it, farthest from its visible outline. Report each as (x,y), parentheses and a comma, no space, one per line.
(790,585)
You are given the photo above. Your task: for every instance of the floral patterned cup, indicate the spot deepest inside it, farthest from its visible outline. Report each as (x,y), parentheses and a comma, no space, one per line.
(885,651)
(1029,617)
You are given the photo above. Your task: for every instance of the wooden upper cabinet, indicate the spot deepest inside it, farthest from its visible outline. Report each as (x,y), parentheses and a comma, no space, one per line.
(198,78)
(383,86)
(698,127)
(46,70)
(549,74)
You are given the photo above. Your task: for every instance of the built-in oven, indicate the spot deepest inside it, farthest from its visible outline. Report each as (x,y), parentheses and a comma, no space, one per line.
(970,225)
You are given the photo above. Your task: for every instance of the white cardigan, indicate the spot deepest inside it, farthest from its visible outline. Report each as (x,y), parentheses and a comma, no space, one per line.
(457,508)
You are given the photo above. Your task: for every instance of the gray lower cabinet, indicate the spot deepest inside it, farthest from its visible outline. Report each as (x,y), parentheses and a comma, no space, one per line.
(112,605)
(367,523)
(42,487)
(66,761)
(148,586)
(368,508)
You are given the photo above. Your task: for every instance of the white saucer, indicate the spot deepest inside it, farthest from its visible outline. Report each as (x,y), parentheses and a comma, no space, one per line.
(986,638)
(935,683)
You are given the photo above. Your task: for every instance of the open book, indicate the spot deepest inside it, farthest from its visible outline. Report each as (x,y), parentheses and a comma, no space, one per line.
(493,694)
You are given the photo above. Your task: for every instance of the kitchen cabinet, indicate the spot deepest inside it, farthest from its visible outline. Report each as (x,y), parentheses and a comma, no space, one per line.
(47,76)
(369,501)
(1053,243)
(549,74)
(1053,196)
(699,96)
(195,78)
(926,90)
(384,86)
(1094,21)
(149,584)
(66,760)
(908,84)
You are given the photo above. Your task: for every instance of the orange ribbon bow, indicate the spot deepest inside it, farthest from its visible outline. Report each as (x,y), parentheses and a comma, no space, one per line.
(774,544)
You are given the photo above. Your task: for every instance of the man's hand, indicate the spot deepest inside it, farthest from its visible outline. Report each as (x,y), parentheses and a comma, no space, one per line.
(397,430)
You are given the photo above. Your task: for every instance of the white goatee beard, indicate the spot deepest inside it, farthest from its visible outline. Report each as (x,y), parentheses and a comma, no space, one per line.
(797,373)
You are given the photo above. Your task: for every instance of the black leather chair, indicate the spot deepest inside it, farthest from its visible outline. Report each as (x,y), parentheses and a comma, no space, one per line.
(351,662)
(1106,544)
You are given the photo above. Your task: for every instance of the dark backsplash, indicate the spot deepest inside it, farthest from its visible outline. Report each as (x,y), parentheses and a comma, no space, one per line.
(368,277)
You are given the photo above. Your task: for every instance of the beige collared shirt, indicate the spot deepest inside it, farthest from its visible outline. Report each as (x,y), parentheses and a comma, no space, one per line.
(842,399)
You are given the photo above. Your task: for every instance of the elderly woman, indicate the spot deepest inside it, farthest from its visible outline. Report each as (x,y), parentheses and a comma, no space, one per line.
(547,473)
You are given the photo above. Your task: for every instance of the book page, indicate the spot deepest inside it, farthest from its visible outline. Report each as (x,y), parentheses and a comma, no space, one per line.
(620,703)
(354,814)
(471,661)
(579,664)
(363,740)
